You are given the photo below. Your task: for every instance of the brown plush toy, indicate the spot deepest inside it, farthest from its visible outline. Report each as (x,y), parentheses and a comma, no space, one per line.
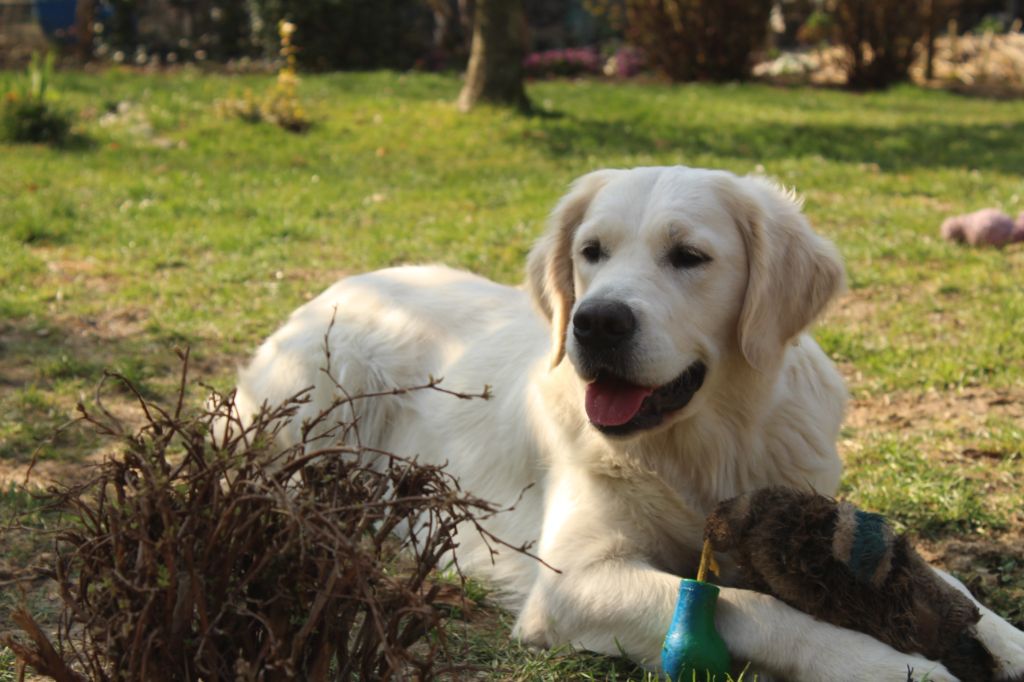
(848,567)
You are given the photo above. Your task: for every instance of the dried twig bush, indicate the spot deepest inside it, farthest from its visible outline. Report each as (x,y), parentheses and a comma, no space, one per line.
(191,556)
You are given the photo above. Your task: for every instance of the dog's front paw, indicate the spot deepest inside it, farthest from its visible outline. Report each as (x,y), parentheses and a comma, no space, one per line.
(531,625)
(1010,666)
(1005,643)
(1008,652)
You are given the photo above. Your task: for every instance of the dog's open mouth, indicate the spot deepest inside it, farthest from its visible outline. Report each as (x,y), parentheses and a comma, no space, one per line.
(617,407)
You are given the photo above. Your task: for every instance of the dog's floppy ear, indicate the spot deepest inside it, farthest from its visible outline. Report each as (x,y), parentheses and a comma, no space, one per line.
(549,275)
(792,272)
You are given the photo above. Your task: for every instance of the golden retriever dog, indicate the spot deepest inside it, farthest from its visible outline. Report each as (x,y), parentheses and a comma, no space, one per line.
(654,364)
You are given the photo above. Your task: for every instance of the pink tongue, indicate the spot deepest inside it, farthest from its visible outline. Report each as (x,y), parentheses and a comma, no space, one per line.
(613,402)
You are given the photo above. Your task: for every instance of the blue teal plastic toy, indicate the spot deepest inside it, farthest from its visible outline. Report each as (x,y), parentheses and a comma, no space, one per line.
(693,650)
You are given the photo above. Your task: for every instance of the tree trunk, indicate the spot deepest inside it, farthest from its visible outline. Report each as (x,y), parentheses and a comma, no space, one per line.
(495,72)
(929,64)
(85,15)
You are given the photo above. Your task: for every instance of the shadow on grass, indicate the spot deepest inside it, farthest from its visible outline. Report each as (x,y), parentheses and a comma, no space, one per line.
(48,366)
(71,142)
(77,142)
(993,147)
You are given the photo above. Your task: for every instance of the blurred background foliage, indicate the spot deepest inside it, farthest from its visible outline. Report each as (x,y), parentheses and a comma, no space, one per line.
(876,41)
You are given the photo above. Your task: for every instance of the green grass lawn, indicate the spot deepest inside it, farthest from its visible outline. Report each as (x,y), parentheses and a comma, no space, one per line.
(167,225)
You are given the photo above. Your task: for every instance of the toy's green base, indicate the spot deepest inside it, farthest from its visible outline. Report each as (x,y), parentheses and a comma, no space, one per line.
(693,649)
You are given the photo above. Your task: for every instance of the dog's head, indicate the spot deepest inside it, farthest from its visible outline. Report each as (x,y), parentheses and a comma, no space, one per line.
(655,278)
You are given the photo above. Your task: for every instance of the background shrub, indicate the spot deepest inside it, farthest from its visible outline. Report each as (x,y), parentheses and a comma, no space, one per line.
(694,39)
(354,34)
(881,38)
(28,113)
(817,29)
(33,121)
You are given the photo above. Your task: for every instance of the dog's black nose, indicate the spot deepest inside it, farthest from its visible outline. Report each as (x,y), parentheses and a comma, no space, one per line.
(602,323)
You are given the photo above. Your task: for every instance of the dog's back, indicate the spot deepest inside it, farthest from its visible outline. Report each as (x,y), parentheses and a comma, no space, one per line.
(382,333)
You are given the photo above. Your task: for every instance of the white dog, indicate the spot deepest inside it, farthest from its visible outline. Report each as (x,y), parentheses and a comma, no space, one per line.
(679,298)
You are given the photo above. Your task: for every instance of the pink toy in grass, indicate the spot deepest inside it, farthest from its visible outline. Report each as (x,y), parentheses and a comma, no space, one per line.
(987,227)
(1018,229)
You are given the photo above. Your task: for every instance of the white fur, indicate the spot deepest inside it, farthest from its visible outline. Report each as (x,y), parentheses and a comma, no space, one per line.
(621,518)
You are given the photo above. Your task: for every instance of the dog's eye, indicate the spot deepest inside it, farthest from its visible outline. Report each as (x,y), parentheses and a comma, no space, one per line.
(682,257)
(591,252)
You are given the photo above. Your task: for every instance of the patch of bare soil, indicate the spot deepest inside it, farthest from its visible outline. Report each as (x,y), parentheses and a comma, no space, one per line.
(953,428)
(78,271)
(43,472)
(918,411)
(30,351)
(968,555)
(108,325)
(23,345)
(965,410)
(853,308)
(991,568)
(13,374)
